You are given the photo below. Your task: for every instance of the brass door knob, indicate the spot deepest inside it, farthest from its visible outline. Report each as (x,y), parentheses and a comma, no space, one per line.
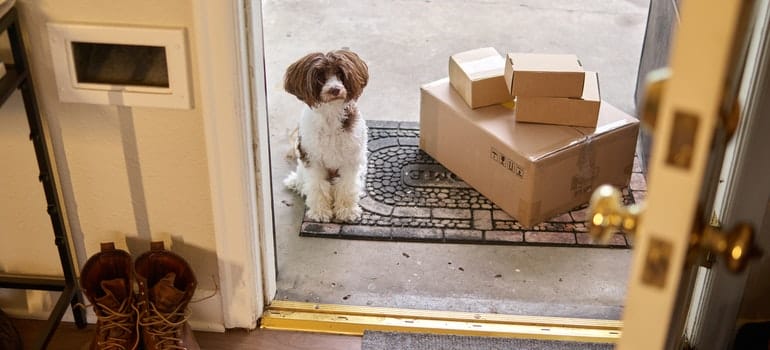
(608,215)
(735,247)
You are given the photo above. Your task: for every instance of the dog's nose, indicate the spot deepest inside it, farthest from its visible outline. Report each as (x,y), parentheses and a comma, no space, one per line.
(334,91)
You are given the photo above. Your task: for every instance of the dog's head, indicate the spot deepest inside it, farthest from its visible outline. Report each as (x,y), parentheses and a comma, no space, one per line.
(319,78)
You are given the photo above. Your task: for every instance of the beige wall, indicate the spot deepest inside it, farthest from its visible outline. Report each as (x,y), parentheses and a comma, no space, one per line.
(138,172)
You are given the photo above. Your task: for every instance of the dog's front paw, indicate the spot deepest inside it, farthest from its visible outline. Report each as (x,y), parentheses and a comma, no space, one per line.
(348,214)
(320,215)
(292,182)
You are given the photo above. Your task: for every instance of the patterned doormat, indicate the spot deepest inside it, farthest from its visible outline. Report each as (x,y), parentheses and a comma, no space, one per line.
(411,197)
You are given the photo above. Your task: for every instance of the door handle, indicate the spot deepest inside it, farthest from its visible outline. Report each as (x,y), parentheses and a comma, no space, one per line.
(607,215)
(736,246)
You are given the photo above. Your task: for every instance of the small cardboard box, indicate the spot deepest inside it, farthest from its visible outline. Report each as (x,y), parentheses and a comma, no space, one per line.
(477,75)
(570,111)
(531,74)
(531,171)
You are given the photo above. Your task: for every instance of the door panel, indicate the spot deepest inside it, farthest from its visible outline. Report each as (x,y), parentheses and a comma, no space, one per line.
(744,199)
(688,115)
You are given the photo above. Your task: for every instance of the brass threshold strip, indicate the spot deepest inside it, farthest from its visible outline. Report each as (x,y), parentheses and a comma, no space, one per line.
(354,320)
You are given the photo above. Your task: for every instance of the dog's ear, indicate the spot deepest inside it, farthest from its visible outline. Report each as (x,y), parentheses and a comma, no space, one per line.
(301,76)
(354,70)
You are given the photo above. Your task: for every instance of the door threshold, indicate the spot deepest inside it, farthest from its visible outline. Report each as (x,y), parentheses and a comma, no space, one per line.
(354,320)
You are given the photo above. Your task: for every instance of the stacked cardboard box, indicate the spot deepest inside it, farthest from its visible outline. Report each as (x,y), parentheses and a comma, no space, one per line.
(533,171)
(553,89)
(478,76)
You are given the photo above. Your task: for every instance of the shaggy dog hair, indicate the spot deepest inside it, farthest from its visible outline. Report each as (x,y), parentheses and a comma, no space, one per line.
(331,142)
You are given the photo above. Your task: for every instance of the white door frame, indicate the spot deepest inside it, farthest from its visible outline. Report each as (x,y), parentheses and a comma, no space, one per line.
(261,135)
(240,192)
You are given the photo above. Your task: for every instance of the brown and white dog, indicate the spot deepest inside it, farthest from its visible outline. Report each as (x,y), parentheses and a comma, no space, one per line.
(331,143)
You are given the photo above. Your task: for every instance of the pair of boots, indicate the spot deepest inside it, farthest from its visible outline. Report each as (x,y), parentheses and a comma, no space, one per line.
(157,315)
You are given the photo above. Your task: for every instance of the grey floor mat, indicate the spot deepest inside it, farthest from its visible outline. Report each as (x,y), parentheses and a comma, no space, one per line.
(418,341)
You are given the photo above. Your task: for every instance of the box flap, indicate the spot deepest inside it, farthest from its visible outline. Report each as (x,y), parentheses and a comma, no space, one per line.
(480,63)
(591,90)
(536,62)
(531,141)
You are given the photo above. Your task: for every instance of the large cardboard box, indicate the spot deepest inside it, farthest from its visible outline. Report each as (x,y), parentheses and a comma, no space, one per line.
(531,171)
(533,74)
(477,75)
(572,111)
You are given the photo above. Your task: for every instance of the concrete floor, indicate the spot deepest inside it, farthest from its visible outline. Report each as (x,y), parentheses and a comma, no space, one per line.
(407,43)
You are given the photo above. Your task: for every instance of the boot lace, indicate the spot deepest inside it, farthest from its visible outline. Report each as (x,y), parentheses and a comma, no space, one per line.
(166,328)
(115,320)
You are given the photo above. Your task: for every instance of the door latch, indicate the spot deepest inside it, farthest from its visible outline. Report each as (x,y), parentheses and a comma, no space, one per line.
(607,215)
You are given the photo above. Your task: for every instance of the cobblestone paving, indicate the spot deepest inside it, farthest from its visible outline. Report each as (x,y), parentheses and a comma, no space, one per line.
(411,197)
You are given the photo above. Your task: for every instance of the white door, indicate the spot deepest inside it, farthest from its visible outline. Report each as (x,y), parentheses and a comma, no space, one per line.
(693,120)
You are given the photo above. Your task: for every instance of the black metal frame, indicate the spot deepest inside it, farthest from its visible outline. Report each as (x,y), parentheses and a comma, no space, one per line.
(18,77)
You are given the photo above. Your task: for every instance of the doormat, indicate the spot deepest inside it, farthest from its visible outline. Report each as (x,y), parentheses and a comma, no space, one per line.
(411,197)
(418,341)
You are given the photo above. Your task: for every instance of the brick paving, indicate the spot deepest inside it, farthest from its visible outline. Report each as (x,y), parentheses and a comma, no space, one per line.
(411,197)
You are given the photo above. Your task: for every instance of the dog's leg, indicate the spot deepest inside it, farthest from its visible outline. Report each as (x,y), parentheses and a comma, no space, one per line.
(319,194)
(347,189)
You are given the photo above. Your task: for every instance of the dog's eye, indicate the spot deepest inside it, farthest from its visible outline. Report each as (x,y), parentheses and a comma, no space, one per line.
(319,79)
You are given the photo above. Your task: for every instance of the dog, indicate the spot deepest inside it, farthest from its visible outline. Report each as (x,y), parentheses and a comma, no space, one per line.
(331,145)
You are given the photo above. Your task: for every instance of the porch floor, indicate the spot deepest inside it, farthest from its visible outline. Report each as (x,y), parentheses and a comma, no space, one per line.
(407,43)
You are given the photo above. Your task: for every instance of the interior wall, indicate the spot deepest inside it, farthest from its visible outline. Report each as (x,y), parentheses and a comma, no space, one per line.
(23,219)
(138,173)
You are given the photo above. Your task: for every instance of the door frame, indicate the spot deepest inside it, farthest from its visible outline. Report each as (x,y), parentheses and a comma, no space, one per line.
(241,204)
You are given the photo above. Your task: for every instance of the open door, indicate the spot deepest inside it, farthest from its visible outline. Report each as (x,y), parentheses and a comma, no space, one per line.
(694,112)
(693,109)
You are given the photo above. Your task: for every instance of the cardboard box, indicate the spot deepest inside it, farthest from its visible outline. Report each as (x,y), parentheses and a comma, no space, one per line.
(532,171)
(530,74)
(571,111)
(477,75)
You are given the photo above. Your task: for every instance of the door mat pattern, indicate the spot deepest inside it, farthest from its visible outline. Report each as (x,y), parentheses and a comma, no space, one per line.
(419,341)
(411,197)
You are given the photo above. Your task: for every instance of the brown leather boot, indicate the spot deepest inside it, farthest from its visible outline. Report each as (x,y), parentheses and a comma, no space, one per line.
(106,280)
(166,285)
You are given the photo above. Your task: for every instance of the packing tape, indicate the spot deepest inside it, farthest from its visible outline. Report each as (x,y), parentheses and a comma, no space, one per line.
(583,181)
(482,65)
